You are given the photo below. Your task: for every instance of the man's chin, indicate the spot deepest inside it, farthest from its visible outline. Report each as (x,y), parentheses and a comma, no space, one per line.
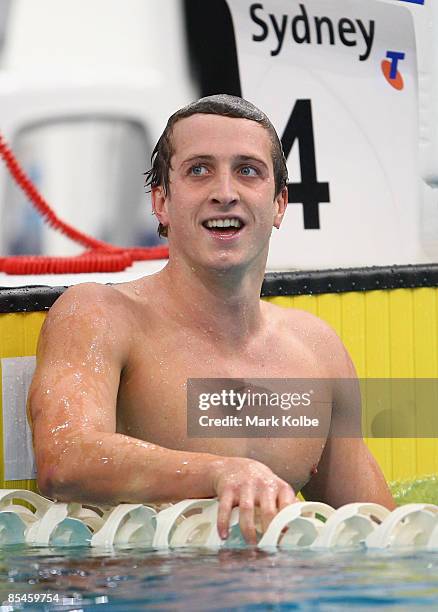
(226,263)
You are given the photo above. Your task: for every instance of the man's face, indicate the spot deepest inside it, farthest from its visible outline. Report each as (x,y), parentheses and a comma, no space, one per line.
(221,204)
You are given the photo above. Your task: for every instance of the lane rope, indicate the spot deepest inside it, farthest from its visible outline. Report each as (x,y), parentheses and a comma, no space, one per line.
(192,522)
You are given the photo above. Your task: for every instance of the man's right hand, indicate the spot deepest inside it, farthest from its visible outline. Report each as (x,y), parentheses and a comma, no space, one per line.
(248,484)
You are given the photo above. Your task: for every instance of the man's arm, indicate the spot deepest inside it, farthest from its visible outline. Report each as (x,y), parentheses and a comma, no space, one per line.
(83,347)
(347,471)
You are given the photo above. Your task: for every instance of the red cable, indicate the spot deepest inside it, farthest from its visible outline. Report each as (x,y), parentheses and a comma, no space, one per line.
(101,256)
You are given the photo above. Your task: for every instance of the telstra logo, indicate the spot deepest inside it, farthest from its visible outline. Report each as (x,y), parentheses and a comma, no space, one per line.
(390,69)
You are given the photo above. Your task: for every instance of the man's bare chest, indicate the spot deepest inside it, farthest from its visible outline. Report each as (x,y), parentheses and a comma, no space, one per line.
(154,382)
(152,401)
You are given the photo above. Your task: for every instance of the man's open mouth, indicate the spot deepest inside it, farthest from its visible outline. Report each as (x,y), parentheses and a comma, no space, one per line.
(224,227)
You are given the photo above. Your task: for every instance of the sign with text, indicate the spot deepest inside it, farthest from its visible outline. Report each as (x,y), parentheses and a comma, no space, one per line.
(339,81)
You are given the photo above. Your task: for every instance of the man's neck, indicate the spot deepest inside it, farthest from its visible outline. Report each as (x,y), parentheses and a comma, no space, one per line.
(225,303)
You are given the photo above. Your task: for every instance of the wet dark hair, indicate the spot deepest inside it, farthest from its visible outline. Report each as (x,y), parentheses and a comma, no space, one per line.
(226,106)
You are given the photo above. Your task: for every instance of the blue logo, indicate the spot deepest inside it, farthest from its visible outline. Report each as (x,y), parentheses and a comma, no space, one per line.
(394,56)
(390,69)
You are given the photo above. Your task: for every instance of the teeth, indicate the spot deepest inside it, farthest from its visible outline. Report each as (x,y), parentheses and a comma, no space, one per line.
(224,223)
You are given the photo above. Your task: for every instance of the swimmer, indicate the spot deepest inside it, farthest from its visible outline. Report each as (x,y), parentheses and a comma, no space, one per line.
(108,399)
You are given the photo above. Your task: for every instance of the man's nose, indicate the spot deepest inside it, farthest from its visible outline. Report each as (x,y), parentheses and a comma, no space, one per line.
(224,189)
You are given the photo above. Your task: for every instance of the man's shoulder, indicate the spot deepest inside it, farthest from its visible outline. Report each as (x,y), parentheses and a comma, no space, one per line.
(298,319)
(86,317)
(314,335)
(91,304)
(82,297)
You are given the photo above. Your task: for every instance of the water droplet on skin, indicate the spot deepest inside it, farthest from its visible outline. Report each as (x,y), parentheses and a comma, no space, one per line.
(55,430)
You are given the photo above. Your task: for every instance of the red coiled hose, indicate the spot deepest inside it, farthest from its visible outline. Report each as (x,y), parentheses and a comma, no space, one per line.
(99,257)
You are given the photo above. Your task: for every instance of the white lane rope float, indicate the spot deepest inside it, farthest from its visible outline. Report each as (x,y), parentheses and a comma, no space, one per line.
(29,518)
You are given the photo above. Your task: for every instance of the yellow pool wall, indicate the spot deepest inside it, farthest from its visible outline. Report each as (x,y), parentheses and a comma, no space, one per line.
(388,333)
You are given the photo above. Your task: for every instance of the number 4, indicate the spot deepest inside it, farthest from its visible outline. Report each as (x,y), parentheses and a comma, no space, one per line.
(309,192)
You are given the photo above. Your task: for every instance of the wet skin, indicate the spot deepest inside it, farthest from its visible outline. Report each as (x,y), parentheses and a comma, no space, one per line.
(108,400)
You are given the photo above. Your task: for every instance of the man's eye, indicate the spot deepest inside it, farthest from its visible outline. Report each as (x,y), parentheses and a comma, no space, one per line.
(248,171)
(198,170)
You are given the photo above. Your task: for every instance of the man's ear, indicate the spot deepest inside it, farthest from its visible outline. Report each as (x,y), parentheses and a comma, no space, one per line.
(281,202)
(159,205)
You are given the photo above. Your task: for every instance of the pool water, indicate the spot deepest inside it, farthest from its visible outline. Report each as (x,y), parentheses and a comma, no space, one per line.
(194,579)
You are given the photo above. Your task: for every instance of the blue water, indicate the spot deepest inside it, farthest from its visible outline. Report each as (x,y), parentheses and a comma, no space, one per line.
(140,579)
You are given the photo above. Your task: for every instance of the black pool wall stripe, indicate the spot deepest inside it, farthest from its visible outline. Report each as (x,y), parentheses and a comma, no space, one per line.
(36,298)
(343,280)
